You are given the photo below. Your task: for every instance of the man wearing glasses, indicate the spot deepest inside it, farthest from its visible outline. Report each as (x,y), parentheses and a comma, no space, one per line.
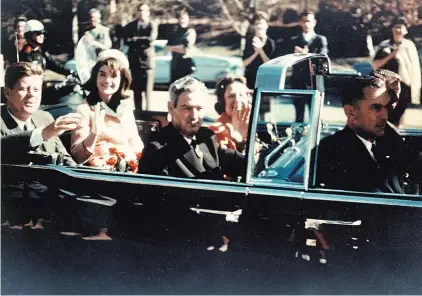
(139,36)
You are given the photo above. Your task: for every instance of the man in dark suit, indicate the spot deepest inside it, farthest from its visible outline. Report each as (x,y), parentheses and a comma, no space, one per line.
(28,134)
(184,148)
(308,41)
(358,158)
(97,34)
(259,48)
(139,35)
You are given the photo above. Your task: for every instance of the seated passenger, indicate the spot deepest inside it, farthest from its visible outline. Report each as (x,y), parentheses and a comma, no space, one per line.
(107,135)
(393,140)
(27,133)
(184,148)
(233,105)
(353,158)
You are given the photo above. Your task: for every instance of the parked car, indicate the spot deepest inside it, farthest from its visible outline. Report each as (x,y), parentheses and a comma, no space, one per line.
(208,67)
(275,193)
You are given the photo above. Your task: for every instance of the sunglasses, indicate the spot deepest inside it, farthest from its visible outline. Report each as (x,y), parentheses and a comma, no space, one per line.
(38,33)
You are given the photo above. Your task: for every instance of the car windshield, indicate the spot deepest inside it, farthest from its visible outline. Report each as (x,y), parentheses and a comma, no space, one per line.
(282,137)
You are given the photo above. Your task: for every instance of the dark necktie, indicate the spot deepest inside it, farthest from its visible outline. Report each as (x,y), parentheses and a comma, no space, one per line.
(196,149)
(375,150)
(25,127)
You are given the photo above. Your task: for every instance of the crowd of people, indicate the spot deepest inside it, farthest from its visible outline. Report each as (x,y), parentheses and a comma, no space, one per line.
(104,133)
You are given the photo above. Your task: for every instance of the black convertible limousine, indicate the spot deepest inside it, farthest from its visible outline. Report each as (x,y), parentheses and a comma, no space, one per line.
(296,104)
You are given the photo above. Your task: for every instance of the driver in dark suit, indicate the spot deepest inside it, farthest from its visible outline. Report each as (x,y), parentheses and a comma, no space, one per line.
(356,158)
(184,148)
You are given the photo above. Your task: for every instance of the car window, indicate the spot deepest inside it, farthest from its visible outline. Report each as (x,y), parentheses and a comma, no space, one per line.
(282,137)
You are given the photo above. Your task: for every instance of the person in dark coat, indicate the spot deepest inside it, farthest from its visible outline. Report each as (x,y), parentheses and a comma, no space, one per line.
(139,36)
(308,40)
(354,158)
(29,134)
(258,50)
(184,148)
(15,43)
(181,43)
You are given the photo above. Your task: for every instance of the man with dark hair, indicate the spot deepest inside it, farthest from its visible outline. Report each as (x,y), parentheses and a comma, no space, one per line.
(309,41)
(29,135)
(400,55)
(180,43)
(25,129)
(139,36)
(184,148)
(16,42)
(353,158)
(258,50)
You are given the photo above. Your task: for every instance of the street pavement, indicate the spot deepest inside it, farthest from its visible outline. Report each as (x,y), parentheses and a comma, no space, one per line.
(45,262)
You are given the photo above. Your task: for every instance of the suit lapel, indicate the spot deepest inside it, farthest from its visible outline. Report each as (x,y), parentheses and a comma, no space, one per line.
(9,122)
(183,155)
(369,163)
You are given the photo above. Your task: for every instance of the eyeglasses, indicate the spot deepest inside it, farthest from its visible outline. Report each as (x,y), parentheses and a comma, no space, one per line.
(38,33)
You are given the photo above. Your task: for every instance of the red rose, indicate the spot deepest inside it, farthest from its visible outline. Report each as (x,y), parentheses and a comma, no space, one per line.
(138,155)
(112,150)
(121,154)
(111,161)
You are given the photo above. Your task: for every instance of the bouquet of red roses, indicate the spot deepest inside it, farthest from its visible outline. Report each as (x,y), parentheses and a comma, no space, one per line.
(119,163)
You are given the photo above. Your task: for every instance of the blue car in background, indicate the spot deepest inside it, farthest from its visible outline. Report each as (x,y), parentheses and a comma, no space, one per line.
(208,67)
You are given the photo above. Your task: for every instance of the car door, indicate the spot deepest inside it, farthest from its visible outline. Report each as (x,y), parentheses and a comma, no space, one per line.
(160,206)
(278,173)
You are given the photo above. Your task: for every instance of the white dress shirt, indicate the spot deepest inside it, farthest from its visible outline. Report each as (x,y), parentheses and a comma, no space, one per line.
(368,145)
(309,36)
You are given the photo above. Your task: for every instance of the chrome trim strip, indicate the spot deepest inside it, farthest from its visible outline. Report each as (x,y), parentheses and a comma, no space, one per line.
(298,194)
(277,184)
(326,196)
(210,185)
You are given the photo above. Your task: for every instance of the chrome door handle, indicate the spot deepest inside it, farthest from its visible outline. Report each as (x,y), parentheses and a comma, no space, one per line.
(230,216)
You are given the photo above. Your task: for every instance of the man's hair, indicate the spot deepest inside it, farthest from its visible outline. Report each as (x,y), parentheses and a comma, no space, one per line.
(182,12)
(220,90)
(138,8)
(355,89)
(306,13)
(187,83)
(260,15)
(399,20)
(19,70)
(20,18)
(95,11)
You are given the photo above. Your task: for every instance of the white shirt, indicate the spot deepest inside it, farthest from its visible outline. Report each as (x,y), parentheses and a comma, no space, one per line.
(189,140)
(368,145)
(141,25)
(309,36)
(36,138)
